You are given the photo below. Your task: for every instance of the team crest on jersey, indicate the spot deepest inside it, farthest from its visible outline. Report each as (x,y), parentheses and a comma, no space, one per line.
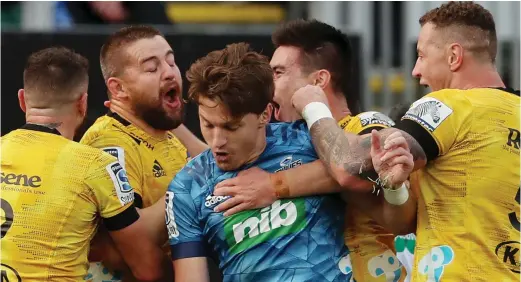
(119,177)
(288,163)
(158,170)
(429,112)
(434,262)
(117,152)
(171,226)
(369,118)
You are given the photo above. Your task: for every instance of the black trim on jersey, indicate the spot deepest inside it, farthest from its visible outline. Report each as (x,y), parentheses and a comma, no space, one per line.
(369,129)
(188,250)
(41,128)
(118,118)
(422,136)
(138,201)
(509,90)
(122,220)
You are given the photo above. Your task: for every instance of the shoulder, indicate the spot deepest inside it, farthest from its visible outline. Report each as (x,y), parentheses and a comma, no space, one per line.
(106,132)
(198,170)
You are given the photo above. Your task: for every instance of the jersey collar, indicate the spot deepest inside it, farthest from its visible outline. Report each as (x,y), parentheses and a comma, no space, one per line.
(118,118)
(41,128)
(345,121)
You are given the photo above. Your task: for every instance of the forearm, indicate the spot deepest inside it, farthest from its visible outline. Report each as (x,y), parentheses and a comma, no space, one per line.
(193,144)
(191,269)
(347,156)
(400,219)
(154,216)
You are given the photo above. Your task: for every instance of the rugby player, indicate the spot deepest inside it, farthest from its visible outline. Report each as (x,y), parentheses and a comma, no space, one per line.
(145,87)
(54,190)
(312,52)
(464,137)
(298,239)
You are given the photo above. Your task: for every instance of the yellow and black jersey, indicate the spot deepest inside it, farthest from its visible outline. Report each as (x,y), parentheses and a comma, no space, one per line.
(371,246)
(54,193)
(151,163)
(468,208)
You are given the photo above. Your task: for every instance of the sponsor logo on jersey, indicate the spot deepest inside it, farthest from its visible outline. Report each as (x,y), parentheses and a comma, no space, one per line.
(434,262)
(212,200)
(345,265)
(20,180)
(385,265)
(9,274)
(119,177)
(288,163)
(117,152)
(508,253)
(171,226)
(428,112)
(158,170)
(369,118)
(247,229)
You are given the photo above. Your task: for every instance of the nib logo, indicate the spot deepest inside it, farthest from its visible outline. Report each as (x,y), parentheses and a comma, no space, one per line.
(158,170)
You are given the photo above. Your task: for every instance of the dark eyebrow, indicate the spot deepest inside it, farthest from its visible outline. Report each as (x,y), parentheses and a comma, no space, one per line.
(155,58)
(278,67)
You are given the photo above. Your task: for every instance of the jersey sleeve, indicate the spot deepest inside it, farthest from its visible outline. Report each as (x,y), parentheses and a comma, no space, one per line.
(185,233)
(111,192)
(436,120)
(367,121)
(125,150)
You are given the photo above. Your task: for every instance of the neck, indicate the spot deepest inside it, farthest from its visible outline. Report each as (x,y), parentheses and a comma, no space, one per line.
(478,77)
(338,105)
(65,126)
(259,147)
(125,112)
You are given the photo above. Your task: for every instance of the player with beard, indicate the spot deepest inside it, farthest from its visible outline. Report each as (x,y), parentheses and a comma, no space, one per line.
(144,86)
(55,191)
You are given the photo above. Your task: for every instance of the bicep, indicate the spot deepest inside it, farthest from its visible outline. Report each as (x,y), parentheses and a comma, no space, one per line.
(191,269)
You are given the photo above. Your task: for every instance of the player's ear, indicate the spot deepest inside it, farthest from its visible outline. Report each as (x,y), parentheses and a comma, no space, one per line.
(115,88)
(322,78)
(21,99)
(455,58)
(265,117)
(82,104)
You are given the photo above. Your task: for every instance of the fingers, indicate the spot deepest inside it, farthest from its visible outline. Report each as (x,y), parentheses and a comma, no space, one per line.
(225,191)
(236,209)
(402,160)
(106,104)
(396,139)
(375,142)
(225,183)
(393,153)
(226,205)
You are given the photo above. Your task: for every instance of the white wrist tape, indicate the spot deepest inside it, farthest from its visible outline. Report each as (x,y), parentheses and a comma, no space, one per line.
(398,196)
(315,111)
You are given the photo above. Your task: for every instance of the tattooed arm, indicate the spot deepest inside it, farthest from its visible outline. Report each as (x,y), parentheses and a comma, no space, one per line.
(347,155)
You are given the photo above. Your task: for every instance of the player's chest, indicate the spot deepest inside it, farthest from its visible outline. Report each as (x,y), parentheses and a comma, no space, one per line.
(161,164)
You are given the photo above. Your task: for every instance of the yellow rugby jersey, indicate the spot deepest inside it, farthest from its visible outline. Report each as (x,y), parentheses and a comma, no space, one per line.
(54,192)
(151,163)
(468,207)
(371,246)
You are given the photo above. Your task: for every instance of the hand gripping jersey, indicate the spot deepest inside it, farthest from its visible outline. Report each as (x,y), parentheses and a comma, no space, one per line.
(54,192)
(150,163)
(468,209)
(292,240)
(371,246)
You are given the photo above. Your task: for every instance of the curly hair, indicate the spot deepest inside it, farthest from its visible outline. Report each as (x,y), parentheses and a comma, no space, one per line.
(468,20)
(236,76)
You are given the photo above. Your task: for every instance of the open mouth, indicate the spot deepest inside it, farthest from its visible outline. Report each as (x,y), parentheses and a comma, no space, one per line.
(171,97)
(221,156)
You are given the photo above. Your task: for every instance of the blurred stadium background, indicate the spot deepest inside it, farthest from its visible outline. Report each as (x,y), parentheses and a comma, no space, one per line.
(383,35)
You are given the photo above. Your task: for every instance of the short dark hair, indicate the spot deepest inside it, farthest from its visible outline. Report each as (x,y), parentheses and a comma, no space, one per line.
(55,76)
(323,47)
(112,54)
(476,25)
(236,76)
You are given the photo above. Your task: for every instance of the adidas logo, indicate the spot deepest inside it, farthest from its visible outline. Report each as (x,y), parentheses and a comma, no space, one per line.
(212,200)
(158,170)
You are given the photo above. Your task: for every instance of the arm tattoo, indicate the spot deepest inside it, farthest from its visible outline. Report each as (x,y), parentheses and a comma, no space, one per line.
(351,152)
